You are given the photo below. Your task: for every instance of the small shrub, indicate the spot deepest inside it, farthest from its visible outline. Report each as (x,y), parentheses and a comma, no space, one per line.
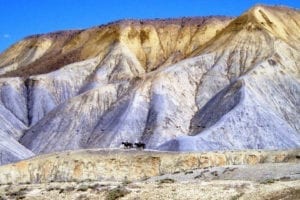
(24,183)
(53,188)
(228,169)
(7,188)
(13,194)
(69,188)
(126,181)
(83,188)
(17,193)
(82,197)
(166,180)
(176,172)
(94,186)
(285,178)
(145,178)
(267,181)
(2,198)
(116,193)
(61,191)
(199,176)
(188,172)
(272,62)
(236,197)
(214,173)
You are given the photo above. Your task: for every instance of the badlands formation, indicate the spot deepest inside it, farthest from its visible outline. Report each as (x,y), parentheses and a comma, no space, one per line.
(190,84)
(199,92)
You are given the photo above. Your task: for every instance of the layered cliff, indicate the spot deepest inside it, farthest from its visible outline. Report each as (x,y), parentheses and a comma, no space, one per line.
(189,84)
(120,165)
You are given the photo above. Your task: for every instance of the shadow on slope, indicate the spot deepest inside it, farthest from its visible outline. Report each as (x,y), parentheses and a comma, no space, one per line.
(217,107)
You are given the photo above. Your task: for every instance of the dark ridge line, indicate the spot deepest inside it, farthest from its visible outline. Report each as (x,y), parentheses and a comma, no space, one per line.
(276,6)
(156,21)
(164,21)
(188,20)
(55,34)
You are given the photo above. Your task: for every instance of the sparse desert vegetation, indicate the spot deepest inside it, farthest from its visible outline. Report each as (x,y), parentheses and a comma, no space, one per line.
(116,193)
(169,186)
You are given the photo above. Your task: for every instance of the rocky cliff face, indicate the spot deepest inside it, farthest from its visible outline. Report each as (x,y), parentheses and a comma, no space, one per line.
(187,84)
(116,165)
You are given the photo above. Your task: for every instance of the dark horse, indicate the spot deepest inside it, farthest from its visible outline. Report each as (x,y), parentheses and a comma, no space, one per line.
(140,145)
(127,145)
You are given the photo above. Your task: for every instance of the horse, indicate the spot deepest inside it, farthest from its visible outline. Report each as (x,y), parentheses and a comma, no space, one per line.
(127,145)
(140,145)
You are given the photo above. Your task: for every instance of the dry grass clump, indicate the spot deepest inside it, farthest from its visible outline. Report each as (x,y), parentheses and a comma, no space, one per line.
(116,193)
(83,188)
(166,180)
(17,194)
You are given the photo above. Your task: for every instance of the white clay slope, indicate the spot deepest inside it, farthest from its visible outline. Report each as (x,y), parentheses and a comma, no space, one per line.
(240,89)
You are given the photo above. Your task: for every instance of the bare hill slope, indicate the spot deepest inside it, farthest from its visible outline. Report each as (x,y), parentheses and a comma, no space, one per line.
(189,84)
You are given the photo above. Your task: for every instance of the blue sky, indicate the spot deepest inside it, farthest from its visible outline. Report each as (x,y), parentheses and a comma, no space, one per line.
(20,18)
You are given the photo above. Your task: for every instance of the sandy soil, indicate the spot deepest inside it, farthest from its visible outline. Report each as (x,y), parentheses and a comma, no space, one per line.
(262,181)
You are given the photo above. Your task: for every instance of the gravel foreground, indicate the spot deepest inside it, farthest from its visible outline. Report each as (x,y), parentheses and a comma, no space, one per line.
(261,181)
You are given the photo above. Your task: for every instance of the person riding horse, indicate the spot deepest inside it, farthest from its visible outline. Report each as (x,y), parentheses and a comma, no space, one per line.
(127,145)
(140,145)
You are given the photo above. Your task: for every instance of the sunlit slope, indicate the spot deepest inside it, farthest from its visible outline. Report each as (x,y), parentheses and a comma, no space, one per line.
(153,43)
(185,84)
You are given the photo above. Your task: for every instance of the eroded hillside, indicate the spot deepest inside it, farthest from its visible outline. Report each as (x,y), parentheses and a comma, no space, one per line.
(153,42)
(189,84)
